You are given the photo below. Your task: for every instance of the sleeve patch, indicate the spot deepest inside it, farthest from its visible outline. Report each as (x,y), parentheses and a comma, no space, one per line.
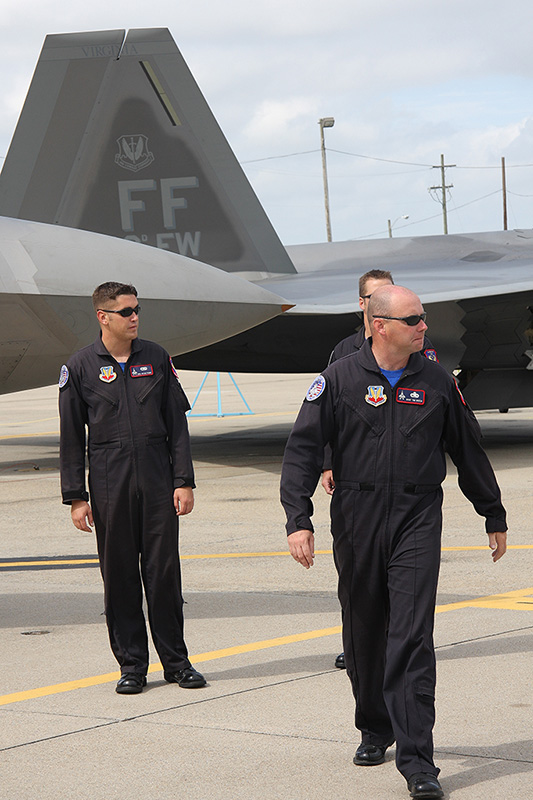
(63,376)
(431,354)
(316,388)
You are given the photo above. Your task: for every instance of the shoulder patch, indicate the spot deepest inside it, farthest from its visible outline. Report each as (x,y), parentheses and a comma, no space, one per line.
(316,388)
(63,376)
(431,354)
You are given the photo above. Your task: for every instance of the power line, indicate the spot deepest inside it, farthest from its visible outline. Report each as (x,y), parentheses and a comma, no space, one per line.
(433,216)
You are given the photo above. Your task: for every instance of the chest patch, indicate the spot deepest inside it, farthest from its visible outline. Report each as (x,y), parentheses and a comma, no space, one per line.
(107,374)
(413,397)
(141,371)
(376,396)
(431,354)
(316,388)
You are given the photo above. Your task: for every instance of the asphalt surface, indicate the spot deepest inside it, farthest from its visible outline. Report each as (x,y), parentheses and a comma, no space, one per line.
(276,719)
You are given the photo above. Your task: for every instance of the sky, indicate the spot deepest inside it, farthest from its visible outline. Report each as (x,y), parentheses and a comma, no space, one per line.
(405,80)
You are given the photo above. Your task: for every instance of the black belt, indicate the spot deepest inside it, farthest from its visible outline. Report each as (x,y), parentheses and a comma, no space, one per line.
(408,488)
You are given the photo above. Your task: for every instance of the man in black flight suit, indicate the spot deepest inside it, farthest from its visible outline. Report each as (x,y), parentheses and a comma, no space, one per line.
(141,479)
(368,283)
(389,414)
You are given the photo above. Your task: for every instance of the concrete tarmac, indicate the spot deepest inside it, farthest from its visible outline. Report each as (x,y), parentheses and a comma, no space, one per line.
(276,719)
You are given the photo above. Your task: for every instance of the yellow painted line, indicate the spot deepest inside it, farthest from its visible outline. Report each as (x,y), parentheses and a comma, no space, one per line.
(74,561)
(54,562)
(519,599)
(83,683)
(27,435)
(251,555)
(34,421)
(484,547)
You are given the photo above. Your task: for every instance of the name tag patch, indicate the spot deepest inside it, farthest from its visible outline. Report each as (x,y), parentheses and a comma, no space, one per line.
(141,370)
(413,397)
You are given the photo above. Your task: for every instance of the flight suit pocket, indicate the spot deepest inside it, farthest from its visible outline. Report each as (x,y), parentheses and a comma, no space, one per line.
(148,388)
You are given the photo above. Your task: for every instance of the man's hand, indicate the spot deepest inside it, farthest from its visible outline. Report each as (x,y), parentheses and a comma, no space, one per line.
(302,547)
(327,481)
(81,515)
(183,500)
(498,544)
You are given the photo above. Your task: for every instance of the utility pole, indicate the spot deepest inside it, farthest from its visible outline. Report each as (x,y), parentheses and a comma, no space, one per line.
(325,122)
(504,191)
(443,188)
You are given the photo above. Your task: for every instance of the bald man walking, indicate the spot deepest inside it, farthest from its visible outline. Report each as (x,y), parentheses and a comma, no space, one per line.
(389,415)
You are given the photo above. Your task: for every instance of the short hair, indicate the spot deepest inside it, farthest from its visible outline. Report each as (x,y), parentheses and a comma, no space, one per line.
(106,292)
(373,274)
(379,305)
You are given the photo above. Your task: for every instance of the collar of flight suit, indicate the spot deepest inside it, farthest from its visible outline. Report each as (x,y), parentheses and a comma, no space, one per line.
(359,338)
(101,350)
(368,361)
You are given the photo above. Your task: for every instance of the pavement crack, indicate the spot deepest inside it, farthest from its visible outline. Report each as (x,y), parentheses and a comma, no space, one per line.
(481,638)
(170,708)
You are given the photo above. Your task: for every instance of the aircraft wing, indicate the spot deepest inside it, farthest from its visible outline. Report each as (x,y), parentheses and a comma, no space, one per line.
(48,274)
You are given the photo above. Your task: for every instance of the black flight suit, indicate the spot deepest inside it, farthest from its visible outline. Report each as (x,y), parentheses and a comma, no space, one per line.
(347,347)
(138,452)
(389,463)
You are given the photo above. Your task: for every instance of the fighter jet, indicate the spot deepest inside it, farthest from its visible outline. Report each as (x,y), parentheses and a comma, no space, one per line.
(116,137)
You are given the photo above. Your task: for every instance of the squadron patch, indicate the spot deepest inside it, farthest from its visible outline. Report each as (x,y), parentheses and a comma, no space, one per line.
(316,388)
(107,374)
(63,376)
(141,370)
(431,354)
(415,397)
(376,396)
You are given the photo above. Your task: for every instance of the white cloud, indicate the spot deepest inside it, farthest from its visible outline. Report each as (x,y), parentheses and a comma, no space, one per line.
(405,81)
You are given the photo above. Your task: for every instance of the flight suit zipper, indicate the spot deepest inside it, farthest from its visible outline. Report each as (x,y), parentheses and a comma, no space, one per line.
(128,414)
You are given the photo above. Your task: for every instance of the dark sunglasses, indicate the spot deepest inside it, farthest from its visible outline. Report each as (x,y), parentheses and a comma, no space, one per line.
(413,320)
(124,312)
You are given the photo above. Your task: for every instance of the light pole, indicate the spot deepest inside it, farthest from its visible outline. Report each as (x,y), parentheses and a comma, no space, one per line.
(325,122)
(391,226)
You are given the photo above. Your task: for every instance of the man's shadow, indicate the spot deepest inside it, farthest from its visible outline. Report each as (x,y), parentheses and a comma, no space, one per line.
(491,763)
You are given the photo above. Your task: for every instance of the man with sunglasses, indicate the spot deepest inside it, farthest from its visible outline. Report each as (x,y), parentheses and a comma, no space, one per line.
(389,414)
(368,283)
(141,479)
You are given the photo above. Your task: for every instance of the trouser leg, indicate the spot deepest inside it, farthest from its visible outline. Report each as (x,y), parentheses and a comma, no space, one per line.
(117,534)
(160,563)
(362,589)
(162,584)
(410,675)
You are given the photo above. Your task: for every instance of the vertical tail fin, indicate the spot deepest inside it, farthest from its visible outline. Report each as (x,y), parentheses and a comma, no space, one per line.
(116,137)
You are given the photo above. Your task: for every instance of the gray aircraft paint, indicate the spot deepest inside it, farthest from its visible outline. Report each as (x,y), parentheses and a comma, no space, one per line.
(47,276)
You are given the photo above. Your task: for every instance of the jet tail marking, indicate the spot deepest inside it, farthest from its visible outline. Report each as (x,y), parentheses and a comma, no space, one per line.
(116,137)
